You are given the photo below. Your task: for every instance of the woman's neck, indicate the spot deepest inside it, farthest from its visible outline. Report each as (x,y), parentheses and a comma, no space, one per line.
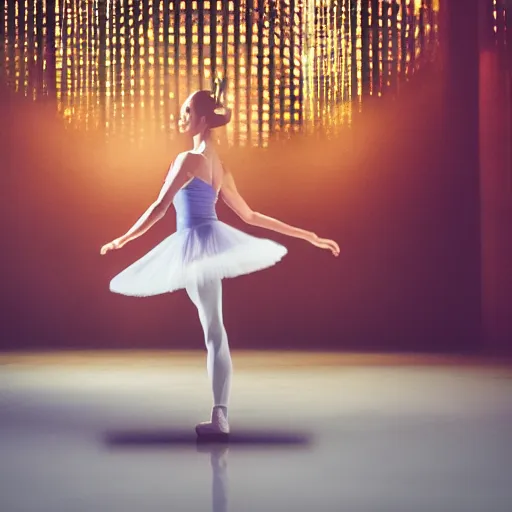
(201,138)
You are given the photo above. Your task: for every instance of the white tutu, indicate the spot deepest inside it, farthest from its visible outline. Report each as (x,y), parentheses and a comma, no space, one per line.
(210,251)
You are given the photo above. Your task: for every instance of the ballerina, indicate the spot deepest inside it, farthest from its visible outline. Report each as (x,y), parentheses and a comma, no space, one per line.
(204,250)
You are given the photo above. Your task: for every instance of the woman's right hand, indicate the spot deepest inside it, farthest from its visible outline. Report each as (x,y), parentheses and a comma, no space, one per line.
(325,243)
(118,243)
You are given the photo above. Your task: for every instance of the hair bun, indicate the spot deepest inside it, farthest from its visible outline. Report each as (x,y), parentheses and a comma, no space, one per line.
(220,117)
(209,104)
(223,111)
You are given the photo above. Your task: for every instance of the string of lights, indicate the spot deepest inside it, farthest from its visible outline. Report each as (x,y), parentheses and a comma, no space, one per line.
(125,66)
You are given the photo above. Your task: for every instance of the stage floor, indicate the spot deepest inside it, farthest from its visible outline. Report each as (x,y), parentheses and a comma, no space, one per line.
(108,432)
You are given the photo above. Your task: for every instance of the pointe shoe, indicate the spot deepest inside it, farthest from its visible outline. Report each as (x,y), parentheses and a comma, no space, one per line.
(218,426)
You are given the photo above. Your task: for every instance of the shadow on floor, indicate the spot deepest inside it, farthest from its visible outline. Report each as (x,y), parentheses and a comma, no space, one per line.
(148,437)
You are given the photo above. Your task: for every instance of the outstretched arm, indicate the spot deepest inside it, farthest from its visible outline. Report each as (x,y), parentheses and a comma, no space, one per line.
(177,177)
(236,202)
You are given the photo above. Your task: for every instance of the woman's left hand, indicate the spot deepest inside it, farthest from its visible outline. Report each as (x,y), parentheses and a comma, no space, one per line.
(325,243)
(118,243)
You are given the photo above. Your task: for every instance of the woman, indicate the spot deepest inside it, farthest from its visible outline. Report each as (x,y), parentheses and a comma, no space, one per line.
(203,250)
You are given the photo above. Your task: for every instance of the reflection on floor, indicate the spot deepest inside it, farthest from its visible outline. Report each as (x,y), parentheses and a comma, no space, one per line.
(323,432)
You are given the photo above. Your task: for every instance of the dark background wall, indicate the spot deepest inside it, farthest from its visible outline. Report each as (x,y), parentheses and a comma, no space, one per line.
(495,125)
(399,192)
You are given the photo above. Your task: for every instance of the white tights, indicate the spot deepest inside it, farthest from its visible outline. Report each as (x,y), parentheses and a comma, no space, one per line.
(208,300)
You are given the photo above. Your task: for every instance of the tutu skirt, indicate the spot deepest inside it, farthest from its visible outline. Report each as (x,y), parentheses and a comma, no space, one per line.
(210,251)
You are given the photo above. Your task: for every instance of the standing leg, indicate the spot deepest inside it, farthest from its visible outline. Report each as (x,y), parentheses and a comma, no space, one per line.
(208,301)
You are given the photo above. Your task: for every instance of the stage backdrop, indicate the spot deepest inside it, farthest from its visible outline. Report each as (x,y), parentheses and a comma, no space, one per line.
(397,187)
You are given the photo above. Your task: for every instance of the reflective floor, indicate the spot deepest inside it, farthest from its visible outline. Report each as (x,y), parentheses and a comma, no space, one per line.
(114,432)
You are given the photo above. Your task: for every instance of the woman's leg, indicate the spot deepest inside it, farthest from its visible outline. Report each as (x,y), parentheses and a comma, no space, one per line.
(208,301)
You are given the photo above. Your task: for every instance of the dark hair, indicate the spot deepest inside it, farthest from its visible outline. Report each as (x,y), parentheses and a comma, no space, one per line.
(214,112)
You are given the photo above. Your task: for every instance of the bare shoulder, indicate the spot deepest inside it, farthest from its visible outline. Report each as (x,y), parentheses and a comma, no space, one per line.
(189,162)
(190,156)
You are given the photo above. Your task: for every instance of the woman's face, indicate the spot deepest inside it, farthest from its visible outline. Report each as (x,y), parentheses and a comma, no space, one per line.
(190,122)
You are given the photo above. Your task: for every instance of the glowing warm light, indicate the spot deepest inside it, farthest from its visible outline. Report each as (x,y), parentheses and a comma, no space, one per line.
(502,14)
(290,64)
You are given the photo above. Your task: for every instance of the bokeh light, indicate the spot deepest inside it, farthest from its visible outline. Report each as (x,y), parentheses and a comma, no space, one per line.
(125,66)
